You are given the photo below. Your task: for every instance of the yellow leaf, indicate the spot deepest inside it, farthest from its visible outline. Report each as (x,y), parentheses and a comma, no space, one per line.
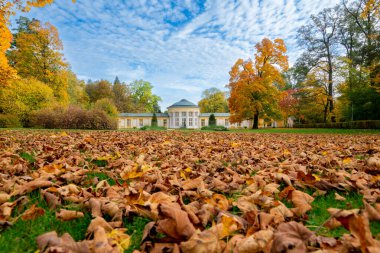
(347,160)
(120,238)
(235,144)
(183,175)
(324,153)
(317,178)
(188,170)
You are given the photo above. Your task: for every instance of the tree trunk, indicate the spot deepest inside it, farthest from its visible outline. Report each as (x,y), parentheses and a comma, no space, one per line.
(255,121)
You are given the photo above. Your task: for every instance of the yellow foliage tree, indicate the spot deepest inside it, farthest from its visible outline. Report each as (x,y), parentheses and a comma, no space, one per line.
(22,96)
(254,83)
(37,54)
(7,9)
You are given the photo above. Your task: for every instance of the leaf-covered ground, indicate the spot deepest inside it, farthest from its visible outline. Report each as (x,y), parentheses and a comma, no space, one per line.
(172,191)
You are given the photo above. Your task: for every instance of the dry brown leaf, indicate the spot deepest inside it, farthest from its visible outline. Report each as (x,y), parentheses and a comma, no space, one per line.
(65,243)
(338,197)
(291,237)
(256,242)
(175,222)
(67,215)
(301,202)
(32,213)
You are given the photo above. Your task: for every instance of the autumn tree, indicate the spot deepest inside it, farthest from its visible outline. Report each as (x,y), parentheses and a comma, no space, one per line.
(213,100)
(36,52)
(23,96)
(7,9)
(99,90)
(254,83)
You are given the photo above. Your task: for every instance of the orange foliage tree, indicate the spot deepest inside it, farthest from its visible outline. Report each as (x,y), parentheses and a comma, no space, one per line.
(254,83)
(7,9)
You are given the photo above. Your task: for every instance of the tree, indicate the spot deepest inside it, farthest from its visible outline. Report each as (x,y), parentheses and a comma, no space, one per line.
(213,100)
(319,37)
(98,90)
(154,120)
(143,98)
(76,90)
(106,105)
(7,9)
(212,120)
(288,103)
(254,83)
(23,96)
(37,53)
(122,96)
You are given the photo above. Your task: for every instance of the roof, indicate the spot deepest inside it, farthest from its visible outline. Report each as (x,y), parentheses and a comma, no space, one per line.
(216,114)
(143,115)
(183,103)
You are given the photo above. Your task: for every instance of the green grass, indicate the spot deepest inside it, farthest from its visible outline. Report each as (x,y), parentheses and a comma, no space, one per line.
(101,176)
(21,237)
(135,228)
(318,214)
(29,157)
(309,131)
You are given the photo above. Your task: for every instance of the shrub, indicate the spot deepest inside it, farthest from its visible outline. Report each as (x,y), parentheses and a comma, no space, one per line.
(364,124)
(9,120)
(152,128)
(154,120)
(72,118)
(214,128)
(212,120)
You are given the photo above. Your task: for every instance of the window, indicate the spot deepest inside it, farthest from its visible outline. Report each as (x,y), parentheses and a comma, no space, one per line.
(190,121)
(128,122)
(165,122)
(141,122)
(190,115)
(183,114)
(177,114)
(196,122)
(203,122)
(183,122)
(196,114)
(239,124)
(177,122)
(226,122)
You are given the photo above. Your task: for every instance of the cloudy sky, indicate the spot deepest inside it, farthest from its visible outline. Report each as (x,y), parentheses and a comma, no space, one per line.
(182,47)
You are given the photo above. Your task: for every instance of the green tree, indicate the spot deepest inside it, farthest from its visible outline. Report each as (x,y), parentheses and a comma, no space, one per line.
(212,120)
(213,100)
(142,95)
(76,90)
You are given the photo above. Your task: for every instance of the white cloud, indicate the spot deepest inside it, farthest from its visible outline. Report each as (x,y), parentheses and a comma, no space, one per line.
(181,47)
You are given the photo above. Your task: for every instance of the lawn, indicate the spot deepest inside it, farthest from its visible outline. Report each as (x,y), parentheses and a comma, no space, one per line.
(232,184)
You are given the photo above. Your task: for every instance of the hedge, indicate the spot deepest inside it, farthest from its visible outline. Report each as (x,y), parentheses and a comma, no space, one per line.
(9,120)
(214,128)
(72,118)
(362,124)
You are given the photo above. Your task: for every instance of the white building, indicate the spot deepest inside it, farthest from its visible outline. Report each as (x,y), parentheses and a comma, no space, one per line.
(182,114)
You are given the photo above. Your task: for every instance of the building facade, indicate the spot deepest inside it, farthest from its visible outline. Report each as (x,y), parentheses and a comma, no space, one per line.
(183,114)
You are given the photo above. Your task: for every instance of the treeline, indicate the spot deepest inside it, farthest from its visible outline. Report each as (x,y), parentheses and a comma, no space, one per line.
(337,77)
(45,85)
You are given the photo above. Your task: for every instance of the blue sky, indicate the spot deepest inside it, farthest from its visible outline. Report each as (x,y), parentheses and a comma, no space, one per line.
(182,47)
